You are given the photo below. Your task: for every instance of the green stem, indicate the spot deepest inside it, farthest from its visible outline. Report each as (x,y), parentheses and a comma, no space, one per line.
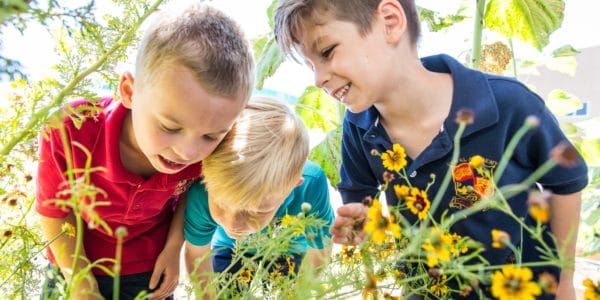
(29,259)
(446,181)
(41,115)
(512,53)
(508,152)
(477,32)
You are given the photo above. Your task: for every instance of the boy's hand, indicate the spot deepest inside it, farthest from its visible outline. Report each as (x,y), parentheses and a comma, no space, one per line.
(167,267)
(348,224)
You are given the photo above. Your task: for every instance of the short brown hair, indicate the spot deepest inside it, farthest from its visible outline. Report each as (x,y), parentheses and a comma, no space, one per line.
(291,15)
(203,40)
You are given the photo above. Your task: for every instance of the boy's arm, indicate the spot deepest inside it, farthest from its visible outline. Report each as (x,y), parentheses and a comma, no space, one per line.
(565,210)
(167,262)
(199,274)
(63,249)
(317,258)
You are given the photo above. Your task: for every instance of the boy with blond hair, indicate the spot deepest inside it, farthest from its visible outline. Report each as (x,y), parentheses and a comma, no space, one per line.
(194,74)
(257,176)
(364,54)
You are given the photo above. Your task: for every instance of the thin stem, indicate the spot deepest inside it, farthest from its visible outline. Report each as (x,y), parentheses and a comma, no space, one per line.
(42,114)
(477,32)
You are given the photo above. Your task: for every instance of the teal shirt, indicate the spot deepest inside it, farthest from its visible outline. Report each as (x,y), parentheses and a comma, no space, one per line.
(200,228)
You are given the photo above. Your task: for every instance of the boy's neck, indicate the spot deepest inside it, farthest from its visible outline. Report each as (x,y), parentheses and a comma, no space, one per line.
(132,157)
(416,110)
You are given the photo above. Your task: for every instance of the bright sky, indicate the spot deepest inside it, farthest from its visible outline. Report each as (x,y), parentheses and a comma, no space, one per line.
(34,49)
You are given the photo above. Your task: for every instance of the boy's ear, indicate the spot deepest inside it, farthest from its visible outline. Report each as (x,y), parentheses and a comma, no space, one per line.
(300,181)
(393,19)
(126,89)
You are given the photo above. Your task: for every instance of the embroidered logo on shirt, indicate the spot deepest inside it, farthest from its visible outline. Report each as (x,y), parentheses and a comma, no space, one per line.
(471,184)
(182,186)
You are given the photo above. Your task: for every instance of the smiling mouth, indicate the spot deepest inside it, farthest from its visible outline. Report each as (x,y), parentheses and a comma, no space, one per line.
(340,94)
(171,163)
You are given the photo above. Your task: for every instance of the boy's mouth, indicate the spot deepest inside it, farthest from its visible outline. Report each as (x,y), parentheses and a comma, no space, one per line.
(170,164)
(340,93)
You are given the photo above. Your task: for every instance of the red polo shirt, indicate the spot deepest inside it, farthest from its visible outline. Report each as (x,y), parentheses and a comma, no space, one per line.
(143,206)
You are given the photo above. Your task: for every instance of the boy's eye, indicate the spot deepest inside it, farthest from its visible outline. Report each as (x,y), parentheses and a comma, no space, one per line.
(169,129)
(210,138)
(326,53)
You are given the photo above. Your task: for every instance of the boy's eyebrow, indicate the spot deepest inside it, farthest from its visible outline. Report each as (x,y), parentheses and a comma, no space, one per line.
(176,122)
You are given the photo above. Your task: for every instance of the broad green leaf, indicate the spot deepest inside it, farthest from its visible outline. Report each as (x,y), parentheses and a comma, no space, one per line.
(590,150)
(328,155)
(436,22)
(531,21)
(563,64)
(566,50)
(269,60)
(258,45)
(270,11)
(317,109)
(562,103)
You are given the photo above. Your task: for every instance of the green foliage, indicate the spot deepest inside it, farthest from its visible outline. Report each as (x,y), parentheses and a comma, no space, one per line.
(562,103)
(318,110)
(531,21)
(269,56)
(436,22)
(328,155)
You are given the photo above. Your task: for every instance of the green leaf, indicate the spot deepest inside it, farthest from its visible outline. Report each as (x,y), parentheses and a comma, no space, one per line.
(328,155)
(269,60)
(590,150)
(566,50)
(531,21)
(564,64)
(317,109)
(562,103)
(437,23)
(270,11)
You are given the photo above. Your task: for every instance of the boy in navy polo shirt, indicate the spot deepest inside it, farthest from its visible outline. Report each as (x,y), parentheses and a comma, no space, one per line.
(194,74)
(364,54)
(258,176)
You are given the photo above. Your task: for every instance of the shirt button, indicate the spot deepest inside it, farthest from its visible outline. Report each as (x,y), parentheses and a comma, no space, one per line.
(413,174)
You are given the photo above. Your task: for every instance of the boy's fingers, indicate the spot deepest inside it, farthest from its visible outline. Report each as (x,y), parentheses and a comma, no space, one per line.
(154,279)
(352,210)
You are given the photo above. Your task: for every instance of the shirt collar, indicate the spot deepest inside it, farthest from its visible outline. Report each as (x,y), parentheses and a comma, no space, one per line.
(115,114)
(471,91)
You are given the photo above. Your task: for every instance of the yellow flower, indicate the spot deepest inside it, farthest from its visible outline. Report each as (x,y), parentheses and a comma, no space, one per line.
(245,276)
(592,291)
(418,202)
(439,287)
(395,159)
(539,212)
(477,161)
(514,283)
(378,226)
(68,229)
(294,222)
(349,254)
(438,247)
(401,190)
(291,265)
(500,239)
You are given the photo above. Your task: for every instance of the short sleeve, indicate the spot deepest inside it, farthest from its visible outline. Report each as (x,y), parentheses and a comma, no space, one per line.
(317,194)
(198,225)
(51,175)
(560,179)
(356,180)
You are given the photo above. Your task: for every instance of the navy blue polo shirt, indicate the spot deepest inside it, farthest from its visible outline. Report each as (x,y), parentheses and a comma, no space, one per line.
(500,106)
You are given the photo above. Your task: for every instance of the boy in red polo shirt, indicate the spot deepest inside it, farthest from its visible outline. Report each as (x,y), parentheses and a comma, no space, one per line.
(194,74)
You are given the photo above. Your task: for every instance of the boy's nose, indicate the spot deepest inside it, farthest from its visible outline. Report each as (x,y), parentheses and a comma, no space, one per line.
(190,151)
(321,78)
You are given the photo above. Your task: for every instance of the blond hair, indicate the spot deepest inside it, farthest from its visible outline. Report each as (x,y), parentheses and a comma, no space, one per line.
(263,155)
(203,40)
